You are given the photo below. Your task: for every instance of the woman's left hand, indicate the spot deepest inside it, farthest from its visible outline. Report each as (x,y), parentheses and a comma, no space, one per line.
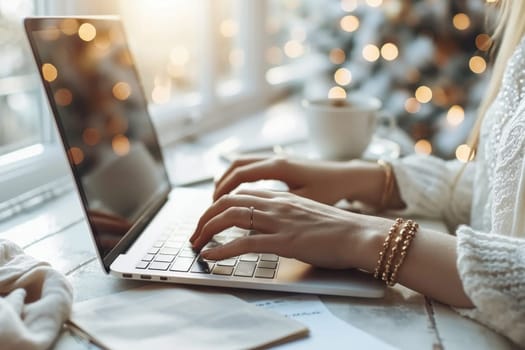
(290,226)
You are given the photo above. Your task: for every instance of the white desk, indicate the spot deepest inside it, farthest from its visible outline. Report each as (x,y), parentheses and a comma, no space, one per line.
(56,232)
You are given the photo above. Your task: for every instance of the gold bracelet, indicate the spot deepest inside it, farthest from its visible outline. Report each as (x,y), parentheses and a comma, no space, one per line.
(386,276)
(403,252)
(386,245)
(388,186)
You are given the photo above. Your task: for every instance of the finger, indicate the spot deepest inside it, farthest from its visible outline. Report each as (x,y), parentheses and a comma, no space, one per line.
(248,244)
(258,193)
(241,161)
(269,169)
(224,203)
(235,216)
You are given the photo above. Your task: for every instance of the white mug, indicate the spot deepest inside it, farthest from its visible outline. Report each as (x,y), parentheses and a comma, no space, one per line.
(341,129)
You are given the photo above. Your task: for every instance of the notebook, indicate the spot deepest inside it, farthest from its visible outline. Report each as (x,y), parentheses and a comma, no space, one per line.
(140,225)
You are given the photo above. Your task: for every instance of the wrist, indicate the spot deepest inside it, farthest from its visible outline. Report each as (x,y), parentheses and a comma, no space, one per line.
(366,243)
(365,181)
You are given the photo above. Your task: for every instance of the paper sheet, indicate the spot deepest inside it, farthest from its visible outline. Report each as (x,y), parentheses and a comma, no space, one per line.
(167,317)
(326,330)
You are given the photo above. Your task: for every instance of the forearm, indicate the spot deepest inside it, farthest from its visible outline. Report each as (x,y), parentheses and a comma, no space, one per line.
(429,267)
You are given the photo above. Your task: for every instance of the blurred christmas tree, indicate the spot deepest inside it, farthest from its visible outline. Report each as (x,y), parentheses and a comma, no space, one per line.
(425,59)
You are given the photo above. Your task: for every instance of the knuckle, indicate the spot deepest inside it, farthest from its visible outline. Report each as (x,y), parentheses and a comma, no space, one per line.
(232,213)
(280,162)
(224,200)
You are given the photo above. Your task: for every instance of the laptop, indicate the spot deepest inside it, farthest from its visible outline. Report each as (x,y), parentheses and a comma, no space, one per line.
(140,225)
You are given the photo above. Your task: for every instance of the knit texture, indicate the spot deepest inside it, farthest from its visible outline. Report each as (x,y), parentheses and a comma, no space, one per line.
(489,197)
(493,274)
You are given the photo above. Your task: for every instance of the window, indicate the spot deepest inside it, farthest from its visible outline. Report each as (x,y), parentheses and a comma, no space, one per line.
(201,63)
(20,107)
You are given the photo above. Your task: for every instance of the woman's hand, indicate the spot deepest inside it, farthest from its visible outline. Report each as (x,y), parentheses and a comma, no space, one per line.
(322,181)
(290,226)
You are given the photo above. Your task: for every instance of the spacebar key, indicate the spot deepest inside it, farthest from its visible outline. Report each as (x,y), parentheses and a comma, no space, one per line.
(245,268)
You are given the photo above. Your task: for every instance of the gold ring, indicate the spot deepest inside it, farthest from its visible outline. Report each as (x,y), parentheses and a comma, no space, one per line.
(251,217)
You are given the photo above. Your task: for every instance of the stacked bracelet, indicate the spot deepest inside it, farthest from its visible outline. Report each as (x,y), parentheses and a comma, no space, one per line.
(386,245)
(395,246)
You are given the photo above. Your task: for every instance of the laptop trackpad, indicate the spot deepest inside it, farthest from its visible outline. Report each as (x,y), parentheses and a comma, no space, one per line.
(323,280)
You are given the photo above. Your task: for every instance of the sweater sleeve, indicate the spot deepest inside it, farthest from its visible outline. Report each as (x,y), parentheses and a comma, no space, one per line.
(432,187)
(492,268)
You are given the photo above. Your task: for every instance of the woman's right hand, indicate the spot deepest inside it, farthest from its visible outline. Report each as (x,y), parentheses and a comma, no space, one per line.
(323,181)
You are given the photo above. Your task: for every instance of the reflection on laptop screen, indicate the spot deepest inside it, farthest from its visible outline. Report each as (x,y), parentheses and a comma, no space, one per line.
(102,115)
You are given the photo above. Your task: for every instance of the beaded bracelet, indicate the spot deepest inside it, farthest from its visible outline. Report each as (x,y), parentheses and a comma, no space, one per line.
(396,248)
(386,245)
(403,252)
(390,262)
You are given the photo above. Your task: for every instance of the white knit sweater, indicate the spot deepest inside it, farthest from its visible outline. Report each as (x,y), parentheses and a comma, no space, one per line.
(486,208)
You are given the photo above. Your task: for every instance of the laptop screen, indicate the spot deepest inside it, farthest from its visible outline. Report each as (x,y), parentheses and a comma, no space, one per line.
(102,116)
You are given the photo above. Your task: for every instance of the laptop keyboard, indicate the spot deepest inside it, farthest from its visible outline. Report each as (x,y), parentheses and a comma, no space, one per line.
(172,252)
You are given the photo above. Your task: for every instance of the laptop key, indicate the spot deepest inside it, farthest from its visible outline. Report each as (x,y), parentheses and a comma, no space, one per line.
(267,264)
(153,250)
(157,265)
(142,265)
(223,270)
(264,273)
(245,268)
(158,244)
(250,257)
(227,262)
(182,264)
(269,257)
(169,251)
(187,253)
(148,257)
(173,244)
(165,258)
(200,266)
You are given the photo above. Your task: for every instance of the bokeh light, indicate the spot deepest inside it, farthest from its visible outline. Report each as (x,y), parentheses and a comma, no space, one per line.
(461,21)
(229,28)
(121,91)
(49,72)
(371,53)
(349,23)
(337,56)
(69,26)
(423,94)
(336,92)
(120,145)
(91,136)
(63,97)
(463,153)
(412,105)
(348,5)
(76,155)
(423,147)
(343,76)
(87,32)
(455,115)
(293,49)
(389,51)
(477,64)
(483,42)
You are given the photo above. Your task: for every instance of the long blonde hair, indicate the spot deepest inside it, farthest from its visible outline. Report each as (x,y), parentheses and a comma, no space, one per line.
(509,29)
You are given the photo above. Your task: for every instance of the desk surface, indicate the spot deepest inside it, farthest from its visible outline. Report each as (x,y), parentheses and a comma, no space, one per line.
(56,232)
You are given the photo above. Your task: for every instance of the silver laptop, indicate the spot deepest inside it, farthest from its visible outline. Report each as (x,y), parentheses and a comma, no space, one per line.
(139,224)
